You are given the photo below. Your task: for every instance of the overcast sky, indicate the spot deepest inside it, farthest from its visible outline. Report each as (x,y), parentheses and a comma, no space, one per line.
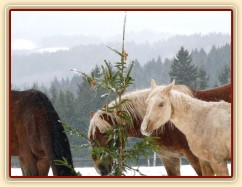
(29,25)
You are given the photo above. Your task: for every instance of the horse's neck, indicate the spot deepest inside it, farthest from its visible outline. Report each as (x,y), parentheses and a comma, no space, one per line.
(185,109)
(134,130)
(135,107)
(105,122)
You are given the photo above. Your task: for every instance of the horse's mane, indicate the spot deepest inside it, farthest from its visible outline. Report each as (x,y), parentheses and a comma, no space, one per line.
(135,106)
(182,100)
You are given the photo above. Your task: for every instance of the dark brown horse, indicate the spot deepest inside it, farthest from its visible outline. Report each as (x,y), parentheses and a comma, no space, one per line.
(172,143)
(37,136)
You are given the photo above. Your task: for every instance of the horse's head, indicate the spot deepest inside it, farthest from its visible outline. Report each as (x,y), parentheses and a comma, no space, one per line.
(100,137)
(159,108)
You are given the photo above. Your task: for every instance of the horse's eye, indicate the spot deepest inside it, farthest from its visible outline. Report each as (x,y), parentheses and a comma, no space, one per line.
(161,105)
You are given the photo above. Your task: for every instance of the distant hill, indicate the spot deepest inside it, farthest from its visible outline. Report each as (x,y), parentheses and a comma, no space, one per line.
(43,65)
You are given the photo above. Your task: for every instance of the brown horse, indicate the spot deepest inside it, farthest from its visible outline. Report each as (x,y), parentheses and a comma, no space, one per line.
(215,94)
(37,136)
(172,143)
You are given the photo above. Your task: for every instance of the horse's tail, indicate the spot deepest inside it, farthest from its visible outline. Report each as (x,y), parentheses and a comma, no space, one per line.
(60,143)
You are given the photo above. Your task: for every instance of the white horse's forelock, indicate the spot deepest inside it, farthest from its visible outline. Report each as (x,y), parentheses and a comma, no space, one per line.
(135,106)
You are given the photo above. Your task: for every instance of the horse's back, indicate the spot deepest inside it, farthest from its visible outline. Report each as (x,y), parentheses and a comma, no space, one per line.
(215,94)
(222,111)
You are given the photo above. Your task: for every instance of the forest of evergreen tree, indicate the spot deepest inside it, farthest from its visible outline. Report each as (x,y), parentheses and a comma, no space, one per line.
(74,99)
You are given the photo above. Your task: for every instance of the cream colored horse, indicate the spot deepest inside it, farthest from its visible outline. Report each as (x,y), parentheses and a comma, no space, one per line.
(172,144)
(206,125)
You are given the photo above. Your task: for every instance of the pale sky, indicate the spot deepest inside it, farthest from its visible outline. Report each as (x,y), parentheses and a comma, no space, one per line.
(29,25)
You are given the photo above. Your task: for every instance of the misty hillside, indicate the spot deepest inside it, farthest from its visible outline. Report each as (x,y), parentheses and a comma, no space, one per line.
(32,66)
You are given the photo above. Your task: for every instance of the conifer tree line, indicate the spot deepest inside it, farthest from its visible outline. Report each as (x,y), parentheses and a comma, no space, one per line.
(74,99)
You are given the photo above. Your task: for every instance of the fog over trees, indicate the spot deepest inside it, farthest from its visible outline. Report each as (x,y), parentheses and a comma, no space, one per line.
(42,66)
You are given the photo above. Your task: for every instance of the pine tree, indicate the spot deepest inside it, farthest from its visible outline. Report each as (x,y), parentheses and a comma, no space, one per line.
(182,70)
(53,93)
(212,65)
(97,71)
(138,75)
(224,76)
(35,86)
(69,107)
(115,81)
(198,57)
(203,79)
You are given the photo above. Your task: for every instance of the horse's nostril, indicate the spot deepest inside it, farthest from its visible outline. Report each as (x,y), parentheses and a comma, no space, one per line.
(104,170)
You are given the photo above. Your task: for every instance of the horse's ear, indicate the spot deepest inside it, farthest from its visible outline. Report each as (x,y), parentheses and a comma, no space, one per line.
(168,88)
(92,114)
(153,84)
(173,82)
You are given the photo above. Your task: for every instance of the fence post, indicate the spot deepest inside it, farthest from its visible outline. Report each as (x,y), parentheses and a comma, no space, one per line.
(154,159)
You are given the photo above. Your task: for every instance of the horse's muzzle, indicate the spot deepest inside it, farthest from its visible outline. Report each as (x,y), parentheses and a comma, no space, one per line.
(104,169)
(145,130)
